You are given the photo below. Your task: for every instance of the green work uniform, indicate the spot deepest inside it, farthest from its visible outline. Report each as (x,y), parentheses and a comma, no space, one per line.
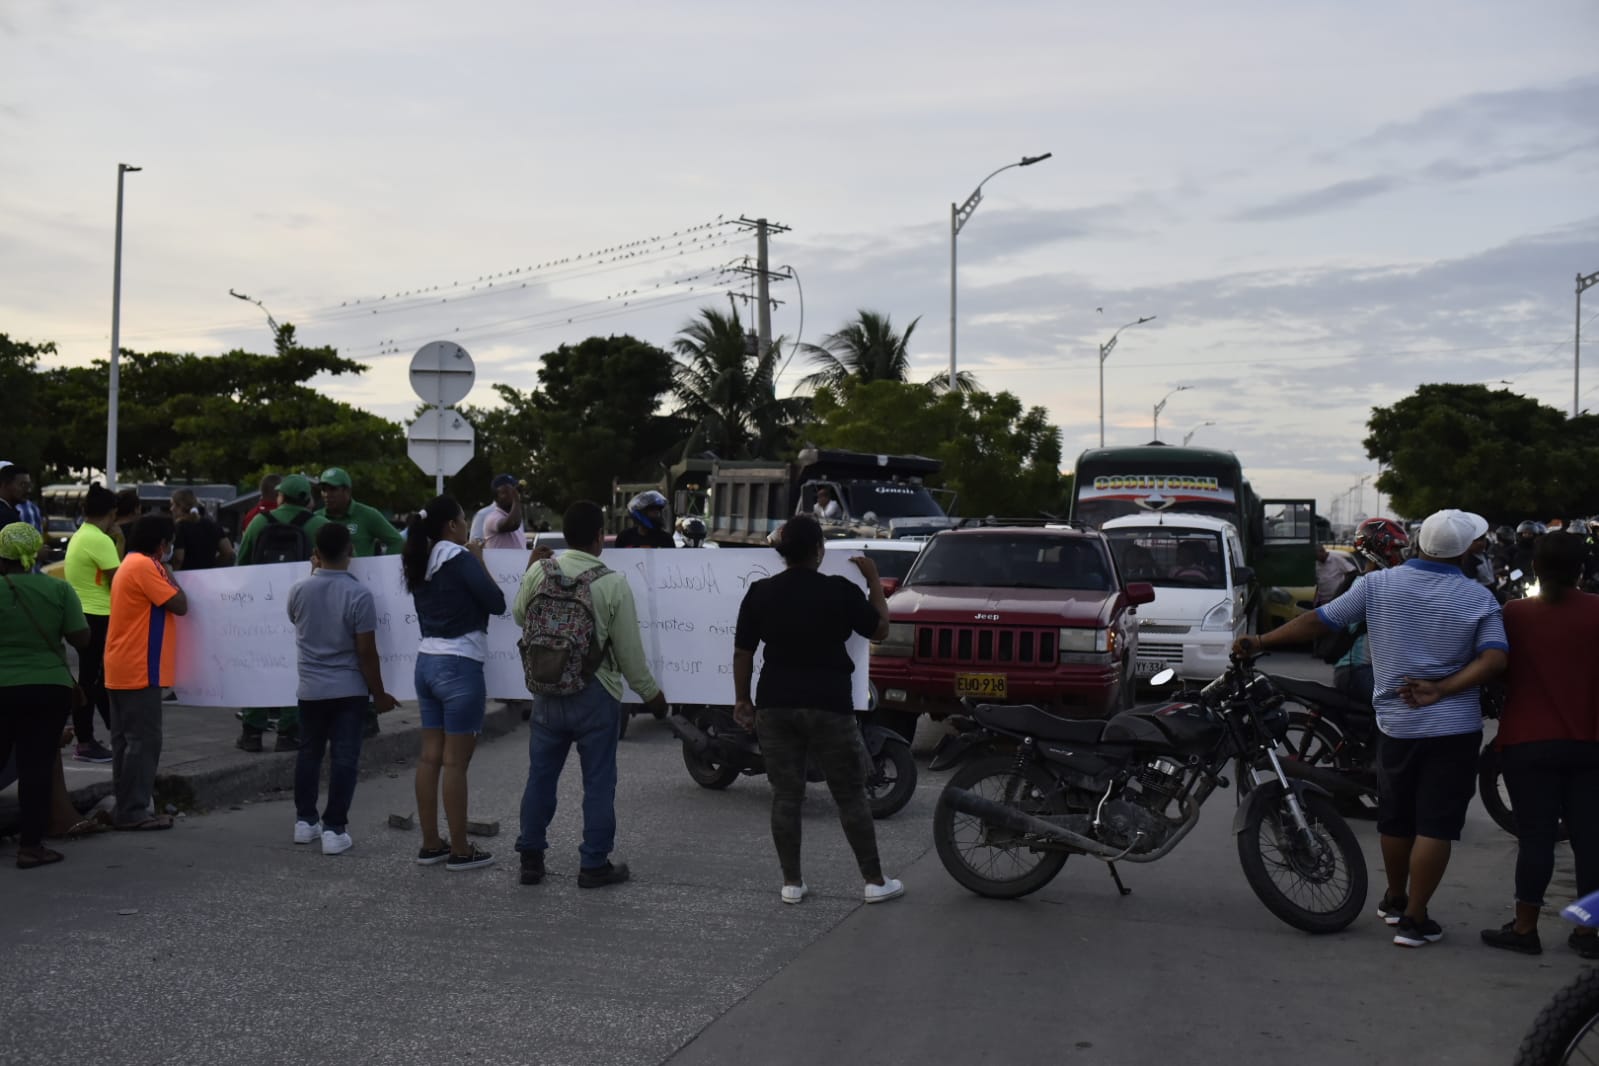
(34,611)
(368,529)
(255,718)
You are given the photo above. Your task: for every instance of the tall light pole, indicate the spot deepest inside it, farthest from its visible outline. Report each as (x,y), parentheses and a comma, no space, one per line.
(1104,354)
(277,331)
(1161,406)
(1190,434)
(1584,282)
(1360,494)
(958,216)
(115,379)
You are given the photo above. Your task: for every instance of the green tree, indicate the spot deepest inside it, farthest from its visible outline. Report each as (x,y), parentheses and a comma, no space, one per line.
(867,349)
(27,437)
(725,390)
(999,457)
(1505,456)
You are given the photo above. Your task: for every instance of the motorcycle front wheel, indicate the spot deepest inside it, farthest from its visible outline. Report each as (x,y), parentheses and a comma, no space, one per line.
(989,860)
(706,772)
(1567,1030)
(893,779)
(1318,885)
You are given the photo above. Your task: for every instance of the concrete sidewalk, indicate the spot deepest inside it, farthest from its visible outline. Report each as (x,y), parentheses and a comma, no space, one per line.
(201,769)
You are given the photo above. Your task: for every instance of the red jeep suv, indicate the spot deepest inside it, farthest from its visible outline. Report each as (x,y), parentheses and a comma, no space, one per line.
(1013,614)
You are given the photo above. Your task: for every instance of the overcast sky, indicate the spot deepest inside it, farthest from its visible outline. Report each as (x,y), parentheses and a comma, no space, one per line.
(1325,204)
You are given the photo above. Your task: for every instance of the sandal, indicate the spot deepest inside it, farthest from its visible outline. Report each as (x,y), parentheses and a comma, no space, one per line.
(28,858)
(86,828)
(160,821)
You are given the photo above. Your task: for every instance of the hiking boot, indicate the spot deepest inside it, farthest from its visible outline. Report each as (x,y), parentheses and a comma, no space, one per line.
(1410,933)
(1506,937)
(249,740)
(1391,909)
(93,751)
(287,742)
(612,873)
(1584,944)
(532,867)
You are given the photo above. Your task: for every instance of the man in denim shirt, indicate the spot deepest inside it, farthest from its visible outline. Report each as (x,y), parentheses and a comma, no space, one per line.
(1435,637)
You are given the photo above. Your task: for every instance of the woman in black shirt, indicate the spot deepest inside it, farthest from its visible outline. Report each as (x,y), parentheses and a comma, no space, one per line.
(806,710)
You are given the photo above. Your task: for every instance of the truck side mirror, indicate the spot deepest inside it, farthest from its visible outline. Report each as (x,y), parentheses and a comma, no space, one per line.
(1243,575)
(1139,593)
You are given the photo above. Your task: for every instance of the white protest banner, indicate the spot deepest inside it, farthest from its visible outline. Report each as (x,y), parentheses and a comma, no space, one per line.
(236,644)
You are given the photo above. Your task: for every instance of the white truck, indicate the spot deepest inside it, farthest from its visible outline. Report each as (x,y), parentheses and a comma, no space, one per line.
(1201,585)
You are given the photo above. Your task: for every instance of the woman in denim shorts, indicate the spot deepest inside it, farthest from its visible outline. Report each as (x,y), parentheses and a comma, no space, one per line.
(454,595)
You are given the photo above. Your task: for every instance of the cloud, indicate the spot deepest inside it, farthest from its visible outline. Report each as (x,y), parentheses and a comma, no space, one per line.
(1327,198)
(1486,118)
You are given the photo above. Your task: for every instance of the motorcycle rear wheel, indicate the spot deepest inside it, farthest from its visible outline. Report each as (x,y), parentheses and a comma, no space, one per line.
(1333,871)
(893,780)
(1496,798)
(1567,1030)
(988,860)
(708,773)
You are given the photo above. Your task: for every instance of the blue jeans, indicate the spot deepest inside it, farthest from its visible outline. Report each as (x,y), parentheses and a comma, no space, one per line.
(335,725)
(451,693)
(591,720)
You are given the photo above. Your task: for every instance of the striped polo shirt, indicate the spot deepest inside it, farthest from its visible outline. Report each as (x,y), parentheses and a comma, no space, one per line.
(1424,620)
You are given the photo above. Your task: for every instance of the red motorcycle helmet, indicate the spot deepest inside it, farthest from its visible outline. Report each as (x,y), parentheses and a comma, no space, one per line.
(1382,540)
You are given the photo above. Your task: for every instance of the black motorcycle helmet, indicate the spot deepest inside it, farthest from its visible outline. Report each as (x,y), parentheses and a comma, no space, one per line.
(1529,528)
(1504,534)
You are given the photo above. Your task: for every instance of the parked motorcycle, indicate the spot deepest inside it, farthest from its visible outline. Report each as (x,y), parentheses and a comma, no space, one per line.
(1567,1029)
(1033,789)
(718,751)
(1337,734)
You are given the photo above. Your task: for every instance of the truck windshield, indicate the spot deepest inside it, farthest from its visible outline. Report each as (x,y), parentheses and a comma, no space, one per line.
(887,499)
(1013,560)
(1169,556)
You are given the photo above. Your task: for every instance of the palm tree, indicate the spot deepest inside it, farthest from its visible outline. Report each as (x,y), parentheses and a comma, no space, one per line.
(726,388)
(965,382)
(866,349)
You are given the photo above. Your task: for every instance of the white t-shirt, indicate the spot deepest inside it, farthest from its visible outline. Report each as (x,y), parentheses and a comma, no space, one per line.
(830,509)
(1330,574)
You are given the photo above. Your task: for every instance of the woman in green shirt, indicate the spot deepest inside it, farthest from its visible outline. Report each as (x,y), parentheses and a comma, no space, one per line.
(35,685)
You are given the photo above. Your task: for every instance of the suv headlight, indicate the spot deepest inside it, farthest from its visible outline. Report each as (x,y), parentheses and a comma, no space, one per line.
(1219,617)
(1086,641)
(898,644)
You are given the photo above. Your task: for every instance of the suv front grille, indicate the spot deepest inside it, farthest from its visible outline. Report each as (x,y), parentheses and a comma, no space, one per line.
(986,645)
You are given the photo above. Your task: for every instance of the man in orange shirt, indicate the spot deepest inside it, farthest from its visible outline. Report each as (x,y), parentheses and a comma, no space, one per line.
(140,650)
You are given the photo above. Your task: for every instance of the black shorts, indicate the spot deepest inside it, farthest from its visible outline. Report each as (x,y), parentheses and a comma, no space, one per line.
(1425,784)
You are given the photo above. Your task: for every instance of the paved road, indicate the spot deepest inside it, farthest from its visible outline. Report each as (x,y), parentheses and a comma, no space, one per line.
(223,942)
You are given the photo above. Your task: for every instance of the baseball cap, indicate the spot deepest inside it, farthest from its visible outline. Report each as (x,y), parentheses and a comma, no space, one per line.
(333,475)
(295,487)
(503,479)
(1448,534)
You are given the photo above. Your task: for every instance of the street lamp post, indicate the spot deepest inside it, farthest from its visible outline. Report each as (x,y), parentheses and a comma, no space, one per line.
(277,331)
(958,216)
(1104,354)
(1190,434)
(114,377)
(1584,282)
(1161,406)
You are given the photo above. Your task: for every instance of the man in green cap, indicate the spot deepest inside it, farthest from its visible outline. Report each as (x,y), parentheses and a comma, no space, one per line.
(369,530)
(284,534)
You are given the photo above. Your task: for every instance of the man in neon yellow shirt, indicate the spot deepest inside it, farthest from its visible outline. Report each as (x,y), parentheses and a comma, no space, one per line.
(92,561)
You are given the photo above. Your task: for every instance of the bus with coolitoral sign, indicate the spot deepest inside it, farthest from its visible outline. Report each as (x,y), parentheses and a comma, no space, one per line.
(1279,536)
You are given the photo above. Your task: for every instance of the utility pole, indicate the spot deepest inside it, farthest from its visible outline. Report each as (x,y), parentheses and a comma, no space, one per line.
(1583,283)
(114,377)
(763,277)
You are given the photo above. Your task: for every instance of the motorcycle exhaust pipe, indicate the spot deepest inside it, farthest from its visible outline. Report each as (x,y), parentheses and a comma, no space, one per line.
(688,733)
(998,814)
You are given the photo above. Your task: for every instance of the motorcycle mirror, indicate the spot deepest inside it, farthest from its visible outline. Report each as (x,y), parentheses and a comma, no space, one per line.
(1163,678)
(1515,575)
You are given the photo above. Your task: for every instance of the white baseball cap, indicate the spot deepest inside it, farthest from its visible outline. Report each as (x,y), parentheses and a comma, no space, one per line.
(1448,534)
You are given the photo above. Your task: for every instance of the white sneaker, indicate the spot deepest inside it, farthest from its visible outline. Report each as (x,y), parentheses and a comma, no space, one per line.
(794,893)
(335,843)
(305,832)
(889,889)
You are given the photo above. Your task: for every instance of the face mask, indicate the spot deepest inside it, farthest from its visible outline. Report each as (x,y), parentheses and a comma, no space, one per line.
(167,558)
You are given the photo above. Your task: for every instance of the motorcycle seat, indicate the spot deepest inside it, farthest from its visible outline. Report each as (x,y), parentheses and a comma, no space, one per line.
(1028,720)
(1323,696)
